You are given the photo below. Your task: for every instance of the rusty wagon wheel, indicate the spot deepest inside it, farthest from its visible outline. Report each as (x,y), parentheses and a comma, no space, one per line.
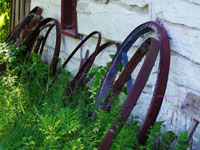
(152,46)
(87,63)
(25,26)
(32,37)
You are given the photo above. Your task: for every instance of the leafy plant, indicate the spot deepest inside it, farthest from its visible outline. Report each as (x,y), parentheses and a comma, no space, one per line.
(98,73)
(183,142)
(4,19)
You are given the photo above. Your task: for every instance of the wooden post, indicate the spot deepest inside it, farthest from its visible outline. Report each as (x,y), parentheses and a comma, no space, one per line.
(19,9)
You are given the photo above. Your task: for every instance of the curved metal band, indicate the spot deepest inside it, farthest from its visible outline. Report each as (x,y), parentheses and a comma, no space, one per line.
(45,38)
(140,82)
(37,11)
(29,42)
(126,73)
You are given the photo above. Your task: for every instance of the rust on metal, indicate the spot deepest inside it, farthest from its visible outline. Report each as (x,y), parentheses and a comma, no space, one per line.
(26,25)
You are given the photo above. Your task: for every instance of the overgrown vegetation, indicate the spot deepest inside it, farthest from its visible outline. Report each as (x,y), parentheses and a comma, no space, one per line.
(4,19)
(59,121)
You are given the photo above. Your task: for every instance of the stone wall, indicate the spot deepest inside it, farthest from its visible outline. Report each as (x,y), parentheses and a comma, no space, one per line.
(116,19)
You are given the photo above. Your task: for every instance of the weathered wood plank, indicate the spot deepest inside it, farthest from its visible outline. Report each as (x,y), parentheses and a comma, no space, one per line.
(192,106)
(19,9)
(27,6)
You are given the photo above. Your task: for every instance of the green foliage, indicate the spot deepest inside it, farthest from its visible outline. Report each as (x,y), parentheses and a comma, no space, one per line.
(127,137)
(98,73)
(29,121)
(183,141)
(4,19)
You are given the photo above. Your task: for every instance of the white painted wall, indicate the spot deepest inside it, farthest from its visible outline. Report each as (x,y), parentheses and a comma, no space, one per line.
(117,19)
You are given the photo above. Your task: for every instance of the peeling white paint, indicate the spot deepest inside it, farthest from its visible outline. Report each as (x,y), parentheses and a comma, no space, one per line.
(139,3)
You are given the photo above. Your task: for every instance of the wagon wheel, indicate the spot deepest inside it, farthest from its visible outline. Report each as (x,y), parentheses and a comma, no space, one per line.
(87,64)
(32,37)
(161,44)
(24,27)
